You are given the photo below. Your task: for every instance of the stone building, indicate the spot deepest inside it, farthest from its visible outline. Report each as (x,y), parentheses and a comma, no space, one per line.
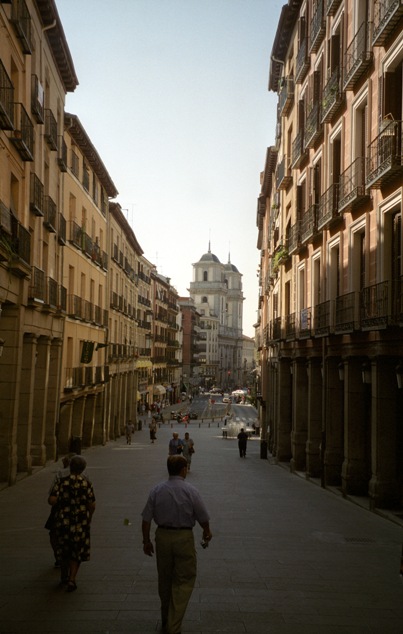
(190,344)
(216,290)
(330,236)
(36,72)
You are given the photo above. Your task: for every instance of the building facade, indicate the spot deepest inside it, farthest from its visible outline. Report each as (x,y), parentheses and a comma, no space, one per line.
(329,234)
(190,344)
(216,290)
(36,72)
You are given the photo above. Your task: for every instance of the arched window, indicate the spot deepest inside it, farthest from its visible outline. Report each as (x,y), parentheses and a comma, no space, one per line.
(205,276)
(204,300)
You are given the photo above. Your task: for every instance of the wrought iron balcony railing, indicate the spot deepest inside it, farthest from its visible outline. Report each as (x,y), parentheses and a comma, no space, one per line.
(387,14)
(303,61)
(50,214)
(332,6)
(37,99)
(21,20)
(22,136)
(6,100)
(332,97)
(309,225)
(318,27)
(284,173)
(313,126)
(50,129)
(290,327)
(62,155)
(294,239)
(299,152)
(328,208)
(358,56)
(374,304)
(322,318)
(385,155)
(36,289)
(286,96)
(36,195)
(352,185)
(305,323)
(62,233)
(345,313)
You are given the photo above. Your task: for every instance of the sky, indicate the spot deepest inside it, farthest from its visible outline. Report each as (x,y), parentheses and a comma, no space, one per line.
(173,95)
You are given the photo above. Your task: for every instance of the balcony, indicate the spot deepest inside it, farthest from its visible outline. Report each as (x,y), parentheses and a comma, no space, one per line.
(322,320)
(50,214)
(299,153)
(62,234)
(302,63)
(294,239)
(286,96)
(385,154)
(345,313)
(313,127)
(6,100)
(276,329)
(358,57)
(50,129)
(21,20)
(398,301)
(75,307)
(328,208)
(332,97)
(374,306)
(318,28)
(387,14)
(332,6)
(37,98)
(51,293)
(284,174)
(36,197)
(290,327)
(76,235)
(62,155)
(309,224)
(23,134)
(305,323)
(352,186)
(36,289)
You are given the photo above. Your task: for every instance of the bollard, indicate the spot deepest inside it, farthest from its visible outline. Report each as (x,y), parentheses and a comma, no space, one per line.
(199,425)
(209,424)
(218,424)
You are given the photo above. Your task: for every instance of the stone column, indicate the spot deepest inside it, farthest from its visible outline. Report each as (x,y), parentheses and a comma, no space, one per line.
(38,448)
(284,410)
(99,435)
(357,429)
(64,427)
(24,430)
(299,431)
(384,487)
(52,408)
(313,458)
(88,420)
(334,424)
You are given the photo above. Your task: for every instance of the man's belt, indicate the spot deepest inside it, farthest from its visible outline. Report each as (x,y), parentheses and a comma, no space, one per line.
(176,528)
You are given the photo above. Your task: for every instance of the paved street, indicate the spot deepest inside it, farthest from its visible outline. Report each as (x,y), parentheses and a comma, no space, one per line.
(286,557)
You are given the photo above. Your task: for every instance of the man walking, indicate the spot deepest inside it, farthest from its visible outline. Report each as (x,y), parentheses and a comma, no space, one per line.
(175,506)
(242,442)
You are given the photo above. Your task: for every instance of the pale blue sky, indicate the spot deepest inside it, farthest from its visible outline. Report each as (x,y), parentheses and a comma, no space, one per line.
(173,94)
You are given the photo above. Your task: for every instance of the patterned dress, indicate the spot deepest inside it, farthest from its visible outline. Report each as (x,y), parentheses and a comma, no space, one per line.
(72,517)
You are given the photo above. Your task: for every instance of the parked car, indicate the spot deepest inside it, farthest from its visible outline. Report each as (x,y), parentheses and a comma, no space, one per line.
(193,415)
(226,399)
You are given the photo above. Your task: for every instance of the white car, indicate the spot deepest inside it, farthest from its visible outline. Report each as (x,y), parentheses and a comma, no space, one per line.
(226,399)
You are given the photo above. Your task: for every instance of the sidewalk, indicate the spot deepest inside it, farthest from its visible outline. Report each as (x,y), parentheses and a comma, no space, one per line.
(287,557)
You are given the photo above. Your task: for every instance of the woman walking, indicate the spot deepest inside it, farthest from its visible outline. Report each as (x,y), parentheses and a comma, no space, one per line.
(74,499)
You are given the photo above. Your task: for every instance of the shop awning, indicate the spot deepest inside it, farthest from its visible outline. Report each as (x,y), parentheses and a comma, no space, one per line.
(143,363)
(159,389)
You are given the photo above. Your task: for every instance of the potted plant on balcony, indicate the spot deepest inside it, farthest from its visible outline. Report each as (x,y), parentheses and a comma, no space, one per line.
(280,257)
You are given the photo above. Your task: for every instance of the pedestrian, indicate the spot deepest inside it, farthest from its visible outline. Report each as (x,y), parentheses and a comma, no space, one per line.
(153,429)
(175,445)
(242,442)
(73,496)
(129,429)
(51,521)
(188,449)
(175,506)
